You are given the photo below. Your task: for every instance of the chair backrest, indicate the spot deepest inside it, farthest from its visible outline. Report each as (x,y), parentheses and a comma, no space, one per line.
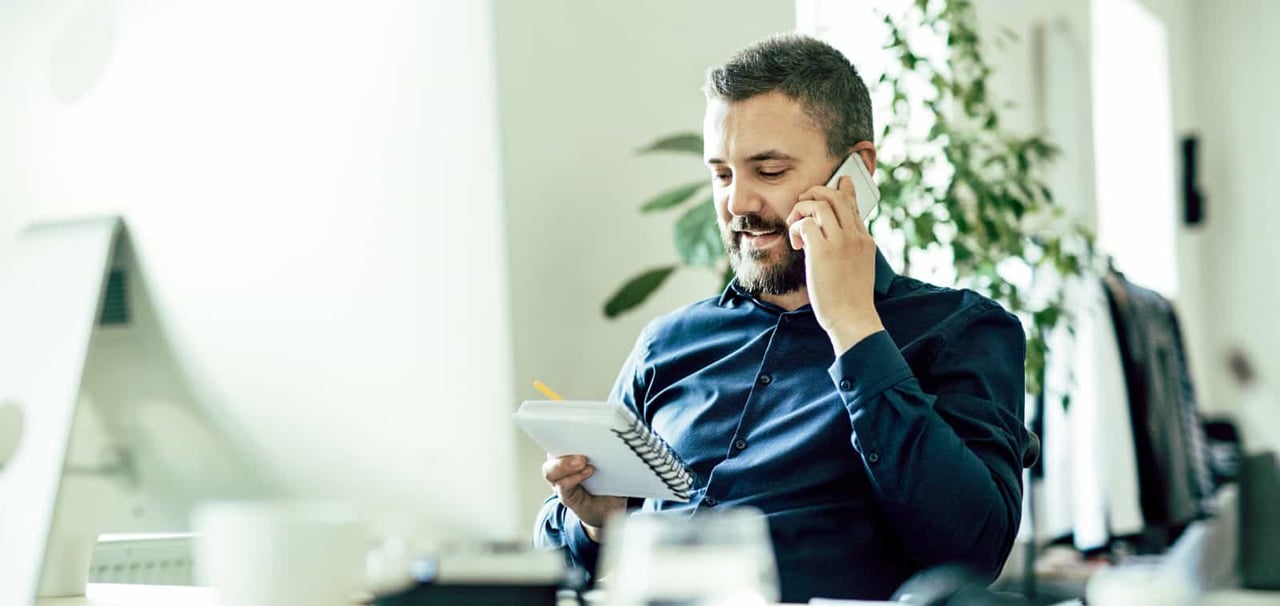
(1032,453)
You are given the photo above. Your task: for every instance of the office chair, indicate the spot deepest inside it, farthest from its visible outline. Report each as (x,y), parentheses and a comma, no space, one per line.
(1031,455)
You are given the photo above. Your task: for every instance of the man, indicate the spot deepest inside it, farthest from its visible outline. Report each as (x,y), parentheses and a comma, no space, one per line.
(874,419)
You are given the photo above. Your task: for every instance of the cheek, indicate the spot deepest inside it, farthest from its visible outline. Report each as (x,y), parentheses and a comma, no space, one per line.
(780,206)
(722,208)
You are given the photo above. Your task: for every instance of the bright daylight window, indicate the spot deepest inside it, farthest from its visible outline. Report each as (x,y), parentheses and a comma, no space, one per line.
(1132,128)
(1133,144)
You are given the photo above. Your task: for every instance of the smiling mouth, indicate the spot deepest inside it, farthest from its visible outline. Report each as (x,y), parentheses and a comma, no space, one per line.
(759,239)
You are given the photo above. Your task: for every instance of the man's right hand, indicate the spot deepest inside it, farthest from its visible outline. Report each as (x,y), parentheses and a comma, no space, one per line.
(566,474)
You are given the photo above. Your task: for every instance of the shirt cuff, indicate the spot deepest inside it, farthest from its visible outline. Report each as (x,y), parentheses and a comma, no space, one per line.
(868,369)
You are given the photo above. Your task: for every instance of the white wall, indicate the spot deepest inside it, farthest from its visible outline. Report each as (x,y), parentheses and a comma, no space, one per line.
(314,195)
(582,85)
(1238,91)
(1067,31)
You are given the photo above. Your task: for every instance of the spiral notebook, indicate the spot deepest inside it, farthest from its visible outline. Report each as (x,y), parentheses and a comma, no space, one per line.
(630,459)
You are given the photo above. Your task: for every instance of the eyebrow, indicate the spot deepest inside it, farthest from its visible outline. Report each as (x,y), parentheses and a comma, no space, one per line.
(771,154)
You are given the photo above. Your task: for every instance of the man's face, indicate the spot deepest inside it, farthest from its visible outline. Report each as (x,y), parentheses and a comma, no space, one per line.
(763,152)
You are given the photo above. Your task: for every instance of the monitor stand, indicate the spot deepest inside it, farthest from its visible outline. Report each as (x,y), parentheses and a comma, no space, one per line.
(52,277)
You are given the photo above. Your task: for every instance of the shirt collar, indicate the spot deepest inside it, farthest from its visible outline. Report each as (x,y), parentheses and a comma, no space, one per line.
(884,278)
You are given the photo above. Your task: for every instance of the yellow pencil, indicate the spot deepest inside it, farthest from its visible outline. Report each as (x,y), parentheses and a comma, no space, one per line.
(546,391)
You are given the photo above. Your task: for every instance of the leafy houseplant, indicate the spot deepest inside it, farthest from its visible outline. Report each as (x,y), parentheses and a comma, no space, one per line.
(967,197)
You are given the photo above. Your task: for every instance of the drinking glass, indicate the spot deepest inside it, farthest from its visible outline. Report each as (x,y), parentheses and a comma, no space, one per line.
(718,557)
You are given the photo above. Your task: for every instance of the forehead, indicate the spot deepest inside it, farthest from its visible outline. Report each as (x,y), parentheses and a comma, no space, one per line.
(736,130)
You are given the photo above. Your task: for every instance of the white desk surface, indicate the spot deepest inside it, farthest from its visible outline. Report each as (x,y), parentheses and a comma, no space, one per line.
(104,594)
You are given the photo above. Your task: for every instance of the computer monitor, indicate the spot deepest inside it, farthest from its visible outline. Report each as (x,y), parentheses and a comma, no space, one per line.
(317,243)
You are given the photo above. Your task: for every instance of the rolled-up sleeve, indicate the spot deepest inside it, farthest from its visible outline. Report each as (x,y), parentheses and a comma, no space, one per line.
(945,458)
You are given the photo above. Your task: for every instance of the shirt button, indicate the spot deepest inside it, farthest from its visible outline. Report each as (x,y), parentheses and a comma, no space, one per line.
(710,501)
(740,444)
(846,385)
(765,379)
(788,319)
(873,457)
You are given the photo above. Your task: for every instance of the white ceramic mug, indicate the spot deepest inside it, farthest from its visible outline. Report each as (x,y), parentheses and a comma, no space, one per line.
(260,553)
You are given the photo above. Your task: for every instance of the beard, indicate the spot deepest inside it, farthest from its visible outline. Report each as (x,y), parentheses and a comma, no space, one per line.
(763,272)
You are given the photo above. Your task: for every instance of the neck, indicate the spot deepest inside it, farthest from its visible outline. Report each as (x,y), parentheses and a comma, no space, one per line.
(789,301)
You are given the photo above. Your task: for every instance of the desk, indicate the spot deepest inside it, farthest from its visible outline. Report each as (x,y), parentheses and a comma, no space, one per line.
(1241,597)
(102,594)
(105,594)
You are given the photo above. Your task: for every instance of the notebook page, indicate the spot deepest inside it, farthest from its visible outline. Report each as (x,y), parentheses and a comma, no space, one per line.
(587,428)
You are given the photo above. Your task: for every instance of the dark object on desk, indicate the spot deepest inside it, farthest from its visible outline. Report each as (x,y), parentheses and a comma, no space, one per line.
(1225,451)
(953,585)
(472,595)
(1259,524)
(487,575)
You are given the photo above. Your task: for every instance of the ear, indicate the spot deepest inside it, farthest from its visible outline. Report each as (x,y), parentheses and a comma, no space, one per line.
(867,150)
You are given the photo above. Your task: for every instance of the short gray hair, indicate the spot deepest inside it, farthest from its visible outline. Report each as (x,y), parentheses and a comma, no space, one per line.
(807,70)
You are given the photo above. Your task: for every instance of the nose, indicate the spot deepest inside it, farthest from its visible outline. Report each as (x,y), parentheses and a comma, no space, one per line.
(743,200)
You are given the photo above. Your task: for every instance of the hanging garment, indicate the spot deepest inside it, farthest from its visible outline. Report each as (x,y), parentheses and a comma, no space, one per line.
(1091,474)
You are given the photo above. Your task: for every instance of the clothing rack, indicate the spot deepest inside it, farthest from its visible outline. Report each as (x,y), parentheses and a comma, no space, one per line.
(1160,402)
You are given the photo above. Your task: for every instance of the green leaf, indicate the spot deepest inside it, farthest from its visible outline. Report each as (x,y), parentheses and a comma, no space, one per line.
(924,229)
(681,142)
(1048,195)
(1046,318)
(697,237)
(636,290)
(672,197)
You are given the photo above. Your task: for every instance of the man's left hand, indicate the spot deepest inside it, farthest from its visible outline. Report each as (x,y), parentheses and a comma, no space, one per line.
(840,262)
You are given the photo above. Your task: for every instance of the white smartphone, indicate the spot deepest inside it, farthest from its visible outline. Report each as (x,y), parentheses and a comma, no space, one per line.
(865,188)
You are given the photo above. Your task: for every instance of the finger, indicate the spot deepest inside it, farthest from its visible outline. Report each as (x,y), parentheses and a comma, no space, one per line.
(843,200)
(570,489)
(561,467)
(569,493)
(805,233)
(820,211)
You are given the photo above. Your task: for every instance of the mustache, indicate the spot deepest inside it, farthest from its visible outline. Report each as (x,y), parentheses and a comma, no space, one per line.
(755,223)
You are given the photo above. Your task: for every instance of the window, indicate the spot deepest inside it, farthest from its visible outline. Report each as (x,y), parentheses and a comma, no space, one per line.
(1133,144)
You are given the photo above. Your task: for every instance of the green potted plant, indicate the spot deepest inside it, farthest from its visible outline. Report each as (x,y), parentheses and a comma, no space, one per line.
(969,195)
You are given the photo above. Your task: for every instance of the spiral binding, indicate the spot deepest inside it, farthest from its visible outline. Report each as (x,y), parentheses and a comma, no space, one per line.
(659,456)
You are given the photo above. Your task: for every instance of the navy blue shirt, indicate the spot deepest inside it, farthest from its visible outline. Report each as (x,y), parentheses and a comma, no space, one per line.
(902,453)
